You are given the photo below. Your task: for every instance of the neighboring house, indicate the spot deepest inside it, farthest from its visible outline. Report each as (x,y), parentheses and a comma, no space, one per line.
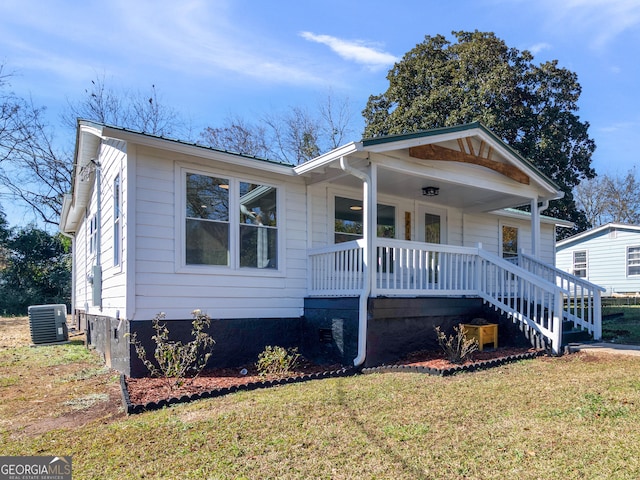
(354,256)
(608,255)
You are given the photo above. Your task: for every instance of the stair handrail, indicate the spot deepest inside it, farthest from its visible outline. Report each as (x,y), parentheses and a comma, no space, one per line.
(556,272)
(552,331)
(586,311)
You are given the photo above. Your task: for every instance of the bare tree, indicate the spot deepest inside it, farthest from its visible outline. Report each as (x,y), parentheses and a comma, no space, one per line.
(295,133)
(624,198)
(591,198)
(240,136)
(610,199)
(139,111)
(33,170)
(336,119)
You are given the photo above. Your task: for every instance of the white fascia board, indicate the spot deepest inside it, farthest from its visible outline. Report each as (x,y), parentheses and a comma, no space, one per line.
(593,231)
(328,158)
(543,218)
(551,192)
(88,141)
(426,140)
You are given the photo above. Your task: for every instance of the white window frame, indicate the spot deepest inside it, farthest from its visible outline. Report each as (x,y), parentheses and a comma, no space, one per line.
(233,268)
(93,234)
(357,197)
(627,262)
(501,242)
(117,221)
(586,263)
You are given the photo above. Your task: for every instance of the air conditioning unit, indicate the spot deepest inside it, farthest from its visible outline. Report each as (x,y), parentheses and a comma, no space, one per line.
(48,323)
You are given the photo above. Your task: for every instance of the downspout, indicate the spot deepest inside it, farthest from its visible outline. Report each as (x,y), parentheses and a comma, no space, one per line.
(367,237)
(96,271)
(72,237)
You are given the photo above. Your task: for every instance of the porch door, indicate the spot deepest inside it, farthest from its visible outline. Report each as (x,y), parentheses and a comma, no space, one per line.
(431,228)
(431,225)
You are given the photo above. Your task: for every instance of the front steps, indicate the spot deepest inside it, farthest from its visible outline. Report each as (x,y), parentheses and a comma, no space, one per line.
(571,334)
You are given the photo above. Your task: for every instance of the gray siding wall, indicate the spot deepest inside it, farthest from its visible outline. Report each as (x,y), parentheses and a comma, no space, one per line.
(606,259)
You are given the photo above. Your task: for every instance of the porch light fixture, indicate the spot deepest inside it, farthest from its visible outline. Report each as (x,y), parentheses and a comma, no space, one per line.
(430,191)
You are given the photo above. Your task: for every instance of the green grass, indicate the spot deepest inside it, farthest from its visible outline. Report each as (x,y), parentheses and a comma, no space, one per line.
(575,417)
(621,324)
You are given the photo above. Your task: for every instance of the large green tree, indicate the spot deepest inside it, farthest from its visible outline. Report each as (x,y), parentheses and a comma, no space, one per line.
(479,78)
(37,270)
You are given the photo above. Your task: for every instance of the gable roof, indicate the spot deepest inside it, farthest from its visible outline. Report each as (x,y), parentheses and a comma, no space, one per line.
(458,131)
(587,234)
(90,135)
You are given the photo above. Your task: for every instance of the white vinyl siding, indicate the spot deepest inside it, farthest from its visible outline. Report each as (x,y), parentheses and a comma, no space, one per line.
(165,283)
(102,237)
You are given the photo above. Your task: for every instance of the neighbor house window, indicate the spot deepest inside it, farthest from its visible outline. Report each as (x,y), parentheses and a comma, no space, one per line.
(117,223)
(210,227)
(580,263)
(348,220)
(633,261)
(509,241)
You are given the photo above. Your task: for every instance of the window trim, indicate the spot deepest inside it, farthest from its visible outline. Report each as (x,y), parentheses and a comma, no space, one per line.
(627,265)
(501,244)
(357,197)
(586,263)
(117,221)
(233,268)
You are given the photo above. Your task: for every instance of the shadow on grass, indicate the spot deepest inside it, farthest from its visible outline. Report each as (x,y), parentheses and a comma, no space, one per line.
(384,447)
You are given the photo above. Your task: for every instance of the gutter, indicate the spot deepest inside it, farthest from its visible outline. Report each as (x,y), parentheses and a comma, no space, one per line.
(366,291)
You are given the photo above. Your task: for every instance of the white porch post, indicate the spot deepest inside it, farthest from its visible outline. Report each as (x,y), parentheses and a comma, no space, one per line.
(535,228)
(371,224)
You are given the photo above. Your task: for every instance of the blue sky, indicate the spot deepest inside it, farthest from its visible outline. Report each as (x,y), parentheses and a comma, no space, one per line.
(214,59)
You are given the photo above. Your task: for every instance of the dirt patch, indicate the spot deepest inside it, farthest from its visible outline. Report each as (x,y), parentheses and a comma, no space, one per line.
(105,410)
(50,387)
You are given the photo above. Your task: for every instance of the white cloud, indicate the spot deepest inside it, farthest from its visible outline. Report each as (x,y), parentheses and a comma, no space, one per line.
(538,47)
(356,51)
(603,19)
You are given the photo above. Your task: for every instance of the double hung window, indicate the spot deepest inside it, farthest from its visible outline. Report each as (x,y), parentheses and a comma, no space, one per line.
(580,263)
(633,261)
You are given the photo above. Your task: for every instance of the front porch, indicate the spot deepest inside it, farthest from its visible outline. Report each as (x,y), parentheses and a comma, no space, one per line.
(538,298)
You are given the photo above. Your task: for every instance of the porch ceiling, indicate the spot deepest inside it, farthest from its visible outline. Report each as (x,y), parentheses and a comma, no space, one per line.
(483,196)
(470,198)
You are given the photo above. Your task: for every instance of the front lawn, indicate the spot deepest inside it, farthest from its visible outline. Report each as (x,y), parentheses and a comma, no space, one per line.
(575,417)
(621,324)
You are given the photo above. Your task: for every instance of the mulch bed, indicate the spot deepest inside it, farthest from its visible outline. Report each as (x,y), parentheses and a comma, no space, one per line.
(142,394)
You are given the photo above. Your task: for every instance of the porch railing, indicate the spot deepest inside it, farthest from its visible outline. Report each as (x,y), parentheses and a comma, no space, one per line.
(406,268)
(583,299)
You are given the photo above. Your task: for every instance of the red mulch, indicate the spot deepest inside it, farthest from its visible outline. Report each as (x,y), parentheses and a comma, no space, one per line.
(146,390)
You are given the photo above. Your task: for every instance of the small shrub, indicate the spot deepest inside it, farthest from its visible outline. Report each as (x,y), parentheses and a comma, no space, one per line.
(277,361)
(175,360)
(456,347)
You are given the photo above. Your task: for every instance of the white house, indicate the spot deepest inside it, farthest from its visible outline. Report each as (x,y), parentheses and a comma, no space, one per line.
(608,255)
(353,256)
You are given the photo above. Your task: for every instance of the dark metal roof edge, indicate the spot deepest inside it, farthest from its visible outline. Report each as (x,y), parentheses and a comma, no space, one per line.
(182,142)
